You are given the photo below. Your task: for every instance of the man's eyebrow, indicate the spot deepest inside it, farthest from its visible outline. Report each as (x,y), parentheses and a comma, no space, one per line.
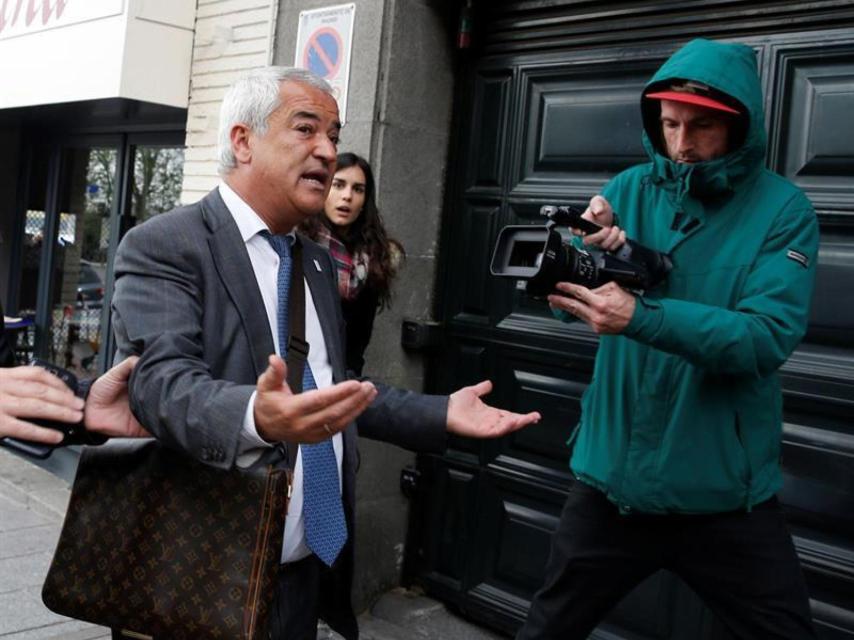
(305,115)
(310,115)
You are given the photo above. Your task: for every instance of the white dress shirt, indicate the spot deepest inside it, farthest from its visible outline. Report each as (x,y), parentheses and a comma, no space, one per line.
(265,264)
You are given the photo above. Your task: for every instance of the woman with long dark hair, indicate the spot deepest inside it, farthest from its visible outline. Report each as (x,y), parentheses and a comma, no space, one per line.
(366,257)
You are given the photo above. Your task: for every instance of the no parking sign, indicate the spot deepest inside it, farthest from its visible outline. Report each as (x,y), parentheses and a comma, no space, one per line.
(324,41)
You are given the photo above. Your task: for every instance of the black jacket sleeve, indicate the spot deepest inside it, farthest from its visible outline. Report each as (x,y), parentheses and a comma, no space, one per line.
(359,317)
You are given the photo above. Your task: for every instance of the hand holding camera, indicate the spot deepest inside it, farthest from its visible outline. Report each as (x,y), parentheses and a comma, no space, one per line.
(609,237)
(543,257)
(607,309)
(40,408)
(31,395)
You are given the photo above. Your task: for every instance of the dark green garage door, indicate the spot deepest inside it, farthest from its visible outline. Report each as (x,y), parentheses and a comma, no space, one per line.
(547,111)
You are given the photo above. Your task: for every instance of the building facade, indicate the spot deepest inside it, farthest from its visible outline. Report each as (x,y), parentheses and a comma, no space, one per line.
(473,114)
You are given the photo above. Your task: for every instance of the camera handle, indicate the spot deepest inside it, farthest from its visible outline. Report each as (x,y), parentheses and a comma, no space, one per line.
(569,216)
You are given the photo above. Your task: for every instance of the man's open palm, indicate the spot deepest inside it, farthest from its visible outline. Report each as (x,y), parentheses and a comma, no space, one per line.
(470,416)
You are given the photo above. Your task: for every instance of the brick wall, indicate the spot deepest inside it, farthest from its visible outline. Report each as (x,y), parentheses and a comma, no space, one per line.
(231,37)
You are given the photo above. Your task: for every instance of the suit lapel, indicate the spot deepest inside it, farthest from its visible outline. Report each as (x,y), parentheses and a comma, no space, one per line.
(235,270)
(321,283)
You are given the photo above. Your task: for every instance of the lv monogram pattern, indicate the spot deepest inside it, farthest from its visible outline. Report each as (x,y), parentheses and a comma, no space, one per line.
(162,545)
(325,526)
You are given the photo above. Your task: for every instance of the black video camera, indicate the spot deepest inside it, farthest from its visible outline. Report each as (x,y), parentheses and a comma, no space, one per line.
(72,433)
(542,257)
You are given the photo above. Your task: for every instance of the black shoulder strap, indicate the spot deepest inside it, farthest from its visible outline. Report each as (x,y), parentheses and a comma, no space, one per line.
(297,346)
(297,353)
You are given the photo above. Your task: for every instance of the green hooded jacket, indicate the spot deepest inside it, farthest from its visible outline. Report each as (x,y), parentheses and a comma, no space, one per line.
(684,412)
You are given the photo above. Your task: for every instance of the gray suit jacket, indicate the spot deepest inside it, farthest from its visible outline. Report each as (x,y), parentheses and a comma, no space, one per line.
(187,301)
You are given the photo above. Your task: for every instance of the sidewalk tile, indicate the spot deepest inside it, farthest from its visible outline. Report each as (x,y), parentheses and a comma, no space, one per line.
(21,542)
(24,571)
(22,610)
(14,515)
(66,630)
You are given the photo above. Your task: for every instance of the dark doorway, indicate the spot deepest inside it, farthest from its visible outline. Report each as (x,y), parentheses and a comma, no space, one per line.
(547,113)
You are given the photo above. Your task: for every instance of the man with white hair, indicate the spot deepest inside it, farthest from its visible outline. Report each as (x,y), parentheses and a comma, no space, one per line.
(202,295)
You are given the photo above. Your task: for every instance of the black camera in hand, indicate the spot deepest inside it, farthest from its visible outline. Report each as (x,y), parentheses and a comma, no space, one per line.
(72,433)
(543,257)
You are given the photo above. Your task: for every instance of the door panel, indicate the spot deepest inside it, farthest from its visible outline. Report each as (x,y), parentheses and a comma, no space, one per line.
(492,99)
(520,515)
(526,378)
(579,125)
(812,112)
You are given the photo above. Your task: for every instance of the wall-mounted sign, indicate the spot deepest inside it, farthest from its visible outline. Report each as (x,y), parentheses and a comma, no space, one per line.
(22,17)
(324,41)
(54,51)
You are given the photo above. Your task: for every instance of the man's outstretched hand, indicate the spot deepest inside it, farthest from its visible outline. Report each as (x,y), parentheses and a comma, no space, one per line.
(308,417)
(470,416)
(107,409)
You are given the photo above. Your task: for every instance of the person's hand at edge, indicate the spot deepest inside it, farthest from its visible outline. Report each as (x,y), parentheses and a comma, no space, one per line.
(308,417)
(107,407)
(471,417)
(31,392)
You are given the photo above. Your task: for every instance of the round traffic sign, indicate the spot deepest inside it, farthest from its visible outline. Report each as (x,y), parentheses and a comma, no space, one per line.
(323,52)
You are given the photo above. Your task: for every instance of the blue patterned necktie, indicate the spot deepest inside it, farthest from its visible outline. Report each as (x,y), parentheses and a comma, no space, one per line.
(325,527)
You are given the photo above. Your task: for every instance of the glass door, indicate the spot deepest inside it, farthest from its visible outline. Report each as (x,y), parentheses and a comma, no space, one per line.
(70,321)
(158,173)
(82,194)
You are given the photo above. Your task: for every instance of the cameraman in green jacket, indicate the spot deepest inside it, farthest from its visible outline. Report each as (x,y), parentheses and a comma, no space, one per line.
(676,456)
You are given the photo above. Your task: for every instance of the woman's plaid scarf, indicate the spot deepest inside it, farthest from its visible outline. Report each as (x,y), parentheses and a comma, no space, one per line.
(352,268)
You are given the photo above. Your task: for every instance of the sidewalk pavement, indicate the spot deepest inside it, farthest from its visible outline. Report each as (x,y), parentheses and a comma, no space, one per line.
(32,506)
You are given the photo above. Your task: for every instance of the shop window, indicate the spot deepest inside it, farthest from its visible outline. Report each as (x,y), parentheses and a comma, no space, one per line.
(72,216)
(80,258)
(157,176)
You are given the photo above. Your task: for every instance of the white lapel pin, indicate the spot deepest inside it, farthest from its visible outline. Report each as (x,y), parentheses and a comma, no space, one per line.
(317,265)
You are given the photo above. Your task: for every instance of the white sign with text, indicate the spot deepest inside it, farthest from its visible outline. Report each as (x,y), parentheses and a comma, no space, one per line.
(324,42)
(23,17)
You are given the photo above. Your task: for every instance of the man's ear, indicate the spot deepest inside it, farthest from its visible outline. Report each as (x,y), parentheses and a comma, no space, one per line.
(240,144)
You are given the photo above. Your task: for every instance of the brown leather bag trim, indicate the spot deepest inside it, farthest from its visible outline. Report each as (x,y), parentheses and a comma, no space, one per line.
(268,519)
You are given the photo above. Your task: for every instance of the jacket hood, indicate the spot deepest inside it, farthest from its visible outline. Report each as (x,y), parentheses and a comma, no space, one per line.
(732,70)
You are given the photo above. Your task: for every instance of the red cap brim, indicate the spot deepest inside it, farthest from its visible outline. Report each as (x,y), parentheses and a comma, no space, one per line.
(692,98)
